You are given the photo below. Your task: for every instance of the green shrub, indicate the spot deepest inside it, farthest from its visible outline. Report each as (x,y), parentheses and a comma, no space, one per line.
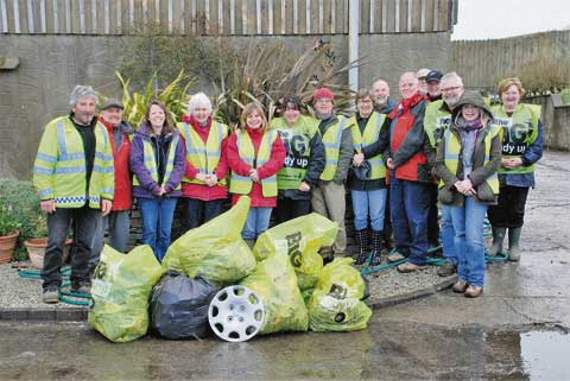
(21,208)
(565,96)
(8,221)
(157,54)
(547,73)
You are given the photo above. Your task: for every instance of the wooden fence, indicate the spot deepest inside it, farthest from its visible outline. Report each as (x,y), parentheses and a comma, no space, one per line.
(223,17)
(482,63)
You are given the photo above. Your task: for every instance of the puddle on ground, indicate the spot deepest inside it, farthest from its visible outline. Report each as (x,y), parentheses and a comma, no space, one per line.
(545,355)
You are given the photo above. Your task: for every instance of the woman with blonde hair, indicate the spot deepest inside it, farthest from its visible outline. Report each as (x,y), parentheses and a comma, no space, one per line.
(523,140)
(255,155)
(157,161)
(467,161)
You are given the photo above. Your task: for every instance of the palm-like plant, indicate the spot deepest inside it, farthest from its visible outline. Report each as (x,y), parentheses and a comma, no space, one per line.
(265,73)
(175,96)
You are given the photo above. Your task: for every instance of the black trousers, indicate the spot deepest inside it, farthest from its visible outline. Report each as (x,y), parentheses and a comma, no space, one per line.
(199,212)
(84,222)
(287,209)
(433,223)
(509,212)
(388,239)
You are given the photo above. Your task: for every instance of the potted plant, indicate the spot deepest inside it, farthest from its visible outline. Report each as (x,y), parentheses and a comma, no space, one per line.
(37,243)
(23,210)
(9,232)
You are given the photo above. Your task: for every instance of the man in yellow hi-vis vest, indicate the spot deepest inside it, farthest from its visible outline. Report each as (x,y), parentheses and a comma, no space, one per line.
(328,197)
(74,177)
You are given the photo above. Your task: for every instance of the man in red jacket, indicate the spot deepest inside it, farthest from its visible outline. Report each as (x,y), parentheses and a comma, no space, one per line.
(117,222)
(410,175)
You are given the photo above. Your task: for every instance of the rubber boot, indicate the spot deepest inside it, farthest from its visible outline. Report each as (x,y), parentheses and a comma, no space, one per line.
(498,238)
(362,241)
(377,240)
(327,254)
(250,243)
(514,250)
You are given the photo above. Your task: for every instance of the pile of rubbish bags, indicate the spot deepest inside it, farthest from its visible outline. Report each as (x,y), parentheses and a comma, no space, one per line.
(134,292)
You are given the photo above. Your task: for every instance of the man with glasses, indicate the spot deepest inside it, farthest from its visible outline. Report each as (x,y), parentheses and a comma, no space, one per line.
(437,119)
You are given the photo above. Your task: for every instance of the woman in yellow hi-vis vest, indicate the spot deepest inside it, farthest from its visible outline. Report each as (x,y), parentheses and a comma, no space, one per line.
(523,140)
(157,160)
(367,178)
(204,187)
(255,155)
(304,160)
(467,161)
(328,196)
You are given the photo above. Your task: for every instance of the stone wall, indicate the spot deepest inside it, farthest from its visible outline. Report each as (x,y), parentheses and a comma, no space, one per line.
(50,65)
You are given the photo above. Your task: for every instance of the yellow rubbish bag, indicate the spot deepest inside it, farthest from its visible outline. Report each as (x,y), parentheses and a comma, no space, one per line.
(275,282)
(121,289)
(300,239)
(214,251)
(335,304)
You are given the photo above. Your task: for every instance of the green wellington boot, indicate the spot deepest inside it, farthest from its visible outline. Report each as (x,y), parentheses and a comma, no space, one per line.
(498,238)
(514,249)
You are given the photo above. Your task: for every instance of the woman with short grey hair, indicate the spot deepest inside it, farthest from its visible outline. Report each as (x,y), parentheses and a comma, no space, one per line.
(204,184)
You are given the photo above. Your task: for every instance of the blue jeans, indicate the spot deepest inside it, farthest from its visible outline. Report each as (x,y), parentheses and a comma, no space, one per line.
(469,244)
(157,216)
(369,204)
(118,225)
(409,205)
(448,235)
(257,222)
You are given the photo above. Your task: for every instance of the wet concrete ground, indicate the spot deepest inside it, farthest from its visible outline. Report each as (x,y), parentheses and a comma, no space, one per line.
(387,350)
(517,330)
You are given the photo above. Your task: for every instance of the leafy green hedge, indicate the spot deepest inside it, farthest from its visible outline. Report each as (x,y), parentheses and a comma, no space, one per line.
(21,208)
(565,96)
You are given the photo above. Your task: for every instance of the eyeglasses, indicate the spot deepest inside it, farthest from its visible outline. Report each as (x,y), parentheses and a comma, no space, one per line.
(447,89)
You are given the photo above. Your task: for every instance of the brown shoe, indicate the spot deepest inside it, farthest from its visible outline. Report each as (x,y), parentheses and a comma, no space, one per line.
(395,257)
(409,267)
(473,292)
(460,286)
(448,269)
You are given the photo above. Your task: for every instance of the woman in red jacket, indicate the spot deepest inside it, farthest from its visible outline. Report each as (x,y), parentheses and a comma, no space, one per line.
(204,183)
(254,156)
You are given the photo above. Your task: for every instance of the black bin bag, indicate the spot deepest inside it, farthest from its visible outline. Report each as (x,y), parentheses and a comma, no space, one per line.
(179,306)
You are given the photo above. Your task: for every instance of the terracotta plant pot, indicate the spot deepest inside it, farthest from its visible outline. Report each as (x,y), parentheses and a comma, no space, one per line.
(37,249)
(7,246)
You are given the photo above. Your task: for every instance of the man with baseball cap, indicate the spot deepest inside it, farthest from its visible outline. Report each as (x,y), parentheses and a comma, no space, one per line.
(433,79)
(328,197)
(117,222)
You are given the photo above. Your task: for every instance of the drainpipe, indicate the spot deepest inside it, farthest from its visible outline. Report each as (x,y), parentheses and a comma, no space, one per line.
(353,31)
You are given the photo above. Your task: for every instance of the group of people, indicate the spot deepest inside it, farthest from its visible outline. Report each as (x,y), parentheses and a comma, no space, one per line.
(397,159)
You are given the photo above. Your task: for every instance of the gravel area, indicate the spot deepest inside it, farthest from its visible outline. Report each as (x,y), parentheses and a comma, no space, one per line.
(390,283)
(16,292)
